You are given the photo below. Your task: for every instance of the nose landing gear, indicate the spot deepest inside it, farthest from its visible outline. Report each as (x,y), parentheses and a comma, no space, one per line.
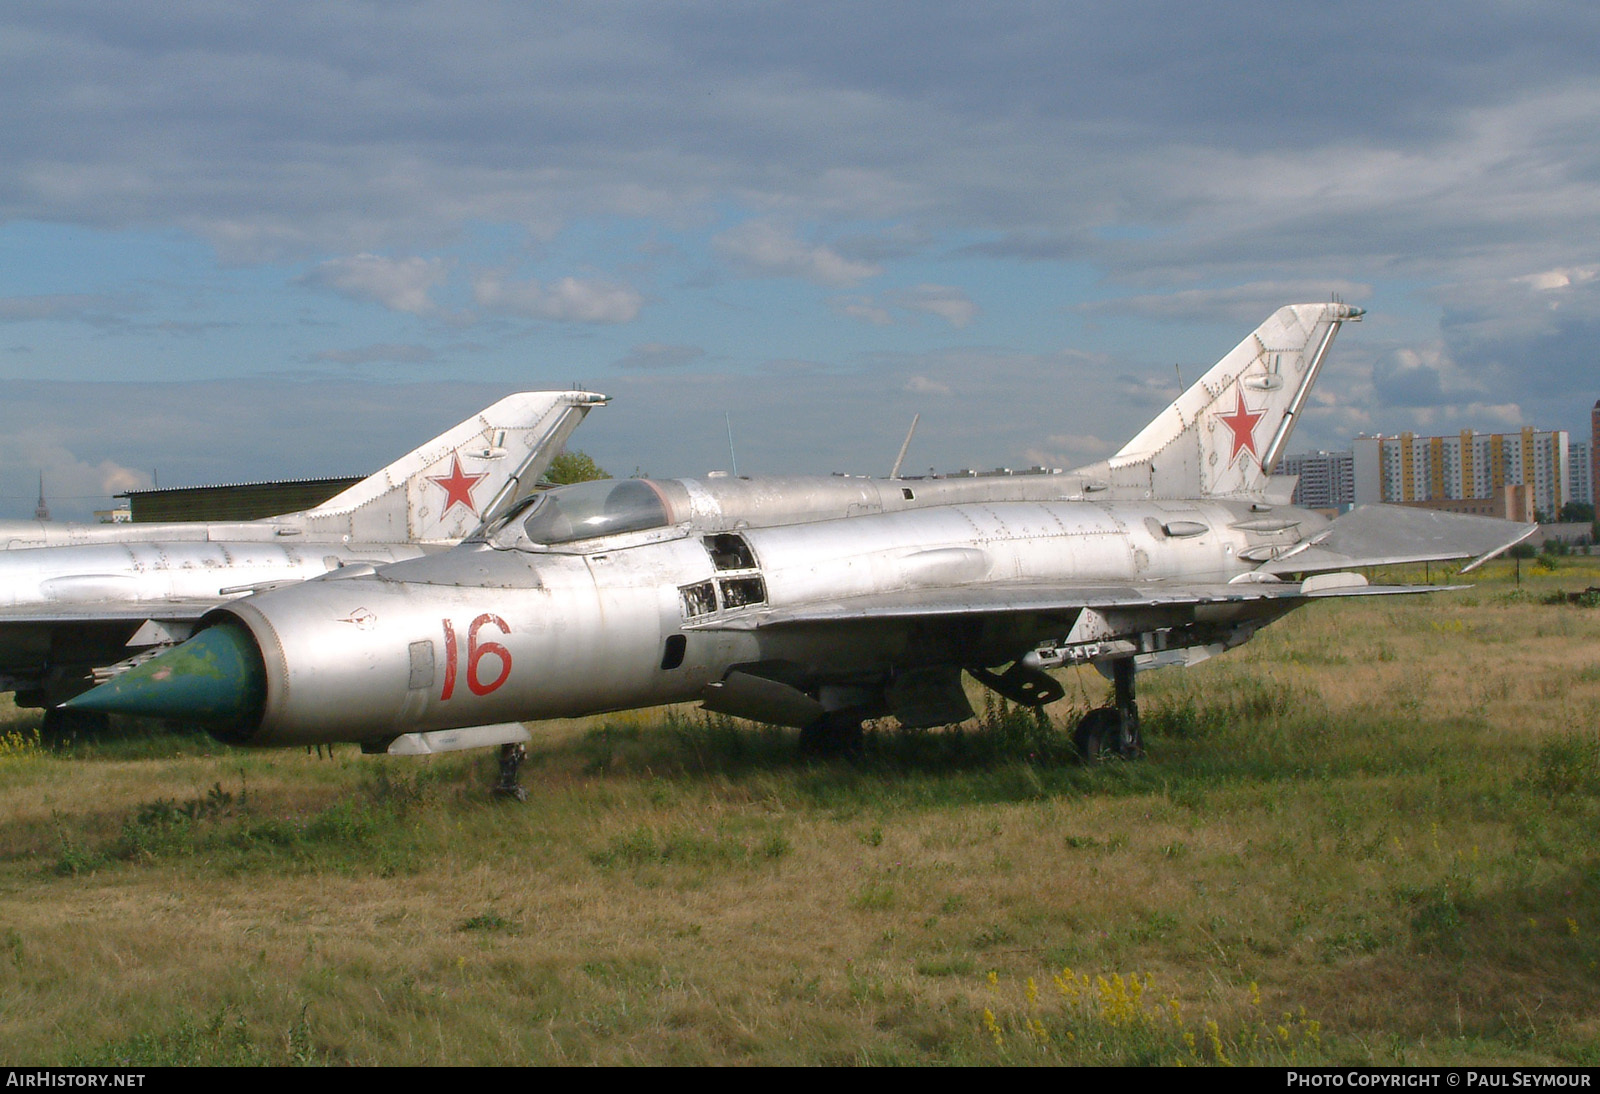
(511,757)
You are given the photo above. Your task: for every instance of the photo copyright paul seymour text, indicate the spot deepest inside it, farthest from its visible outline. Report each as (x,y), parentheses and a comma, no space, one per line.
(1469,1079)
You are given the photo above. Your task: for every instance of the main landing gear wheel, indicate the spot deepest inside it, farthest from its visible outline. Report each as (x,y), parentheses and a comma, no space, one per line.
(1097,735)
(1112,731)
(835,735)
(1100,736)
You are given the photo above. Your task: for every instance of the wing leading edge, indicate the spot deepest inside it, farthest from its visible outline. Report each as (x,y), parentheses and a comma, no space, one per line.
(1041,600)
(1161,622)
(1376,535)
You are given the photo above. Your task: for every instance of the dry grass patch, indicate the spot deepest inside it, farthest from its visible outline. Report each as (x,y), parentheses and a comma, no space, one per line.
(1365,837)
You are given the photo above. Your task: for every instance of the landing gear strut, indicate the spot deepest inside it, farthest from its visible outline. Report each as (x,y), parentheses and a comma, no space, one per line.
(511,757)
(1112,731)
(837,734)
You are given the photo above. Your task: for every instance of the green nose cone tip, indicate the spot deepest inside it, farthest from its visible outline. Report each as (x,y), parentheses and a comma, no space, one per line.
(215,677)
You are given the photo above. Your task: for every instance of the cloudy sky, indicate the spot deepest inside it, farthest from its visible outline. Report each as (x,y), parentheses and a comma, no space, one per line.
(248,240)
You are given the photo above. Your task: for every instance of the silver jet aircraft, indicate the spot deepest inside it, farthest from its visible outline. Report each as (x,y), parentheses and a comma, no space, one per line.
(817,602)
(75,598)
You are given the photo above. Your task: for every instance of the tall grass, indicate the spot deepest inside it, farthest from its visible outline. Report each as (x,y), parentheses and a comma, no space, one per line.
(1366,837)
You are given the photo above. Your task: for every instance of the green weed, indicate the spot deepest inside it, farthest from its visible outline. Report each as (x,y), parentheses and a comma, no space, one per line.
(1568,764)
(223,1040)
(647,845)
(488,922)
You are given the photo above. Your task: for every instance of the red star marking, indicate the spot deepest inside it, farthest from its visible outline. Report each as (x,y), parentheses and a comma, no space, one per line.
(1242,424)
(458,486)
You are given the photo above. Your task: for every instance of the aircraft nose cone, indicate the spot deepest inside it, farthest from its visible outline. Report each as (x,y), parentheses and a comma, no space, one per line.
(216,677)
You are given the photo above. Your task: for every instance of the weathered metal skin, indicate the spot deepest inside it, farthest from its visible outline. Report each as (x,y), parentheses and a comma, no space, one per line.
(818,602)
(533,628)
(132,573)
(75,608)
(78,600)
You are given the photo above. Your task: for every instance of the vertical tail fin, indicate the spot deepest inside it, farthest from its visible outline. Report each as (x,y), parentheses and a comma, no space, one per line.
(442,491)
(1224,434)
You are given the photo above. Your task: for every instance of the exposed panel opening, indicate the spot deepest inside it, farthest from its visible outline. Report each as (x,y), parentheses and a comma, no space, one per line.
(737,592)
(698,600)
(672,652)
(730,552)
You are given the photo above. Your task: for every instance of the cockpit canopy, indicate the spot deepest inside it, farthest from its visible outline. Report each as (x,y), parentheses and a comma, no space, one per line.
(585,510)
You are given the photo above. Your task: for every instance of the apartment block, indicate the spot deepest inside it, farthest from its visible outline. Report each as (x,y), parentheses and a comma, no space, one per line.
(1410,468)
(1327,479)
(1580,472)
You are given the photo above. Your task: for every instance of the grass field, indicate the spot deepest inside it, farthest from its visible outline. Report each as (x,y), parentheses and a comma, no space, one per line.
(1367,836)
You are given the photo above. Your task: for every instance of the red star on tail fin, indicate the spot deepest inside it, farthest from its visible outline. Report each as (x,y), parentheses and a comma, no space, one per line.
(1242,424)
(458,486)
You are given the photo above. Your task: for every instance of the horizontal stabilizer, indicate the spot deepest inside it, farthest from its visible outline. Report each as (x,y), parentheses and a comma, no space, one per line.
(1390,535)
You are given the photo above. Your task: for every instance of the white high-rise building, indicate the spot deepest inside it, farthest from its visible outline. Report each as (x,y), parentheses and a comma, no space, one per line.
(1409,468)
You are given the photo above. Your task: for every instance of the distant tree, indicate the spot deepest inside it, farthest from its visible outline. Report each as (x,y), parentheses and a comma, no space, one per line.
(1577,512)
(572,467)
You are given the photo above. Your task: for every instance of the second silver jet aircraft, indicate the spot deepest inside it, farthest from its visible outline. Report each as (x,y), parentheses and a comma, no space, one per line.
(818,602)
(76,599)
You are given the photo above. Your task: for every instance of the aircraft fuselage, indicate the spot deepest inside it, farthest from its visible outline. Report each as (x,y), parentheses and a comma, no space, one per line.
(818,603)
(506,629)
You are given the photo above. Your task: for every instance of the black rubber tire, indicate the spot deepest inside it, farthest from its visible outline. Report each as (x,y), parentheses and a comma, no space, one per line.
(1096,737)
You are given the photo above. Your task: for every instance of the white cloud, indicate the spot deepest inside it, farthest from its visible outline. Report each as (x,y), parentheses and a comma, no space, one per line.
(1551,280)
(73,486)
(92,440)
(1456,176)
(399,284)
(950,304)
(922,385)
(1248,303)
(391,352)
(569,300)
(62,306)
(660,355)
(863,308)
(762,249)
(1070,450)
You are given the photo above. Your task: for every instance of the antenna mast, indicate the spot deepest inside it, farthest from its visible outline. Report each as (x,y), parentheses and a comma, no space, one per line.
(905,444)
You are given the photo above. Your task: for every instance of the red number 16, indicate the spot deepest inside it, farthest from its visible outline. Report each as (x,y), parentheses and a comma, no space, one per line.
(476,651)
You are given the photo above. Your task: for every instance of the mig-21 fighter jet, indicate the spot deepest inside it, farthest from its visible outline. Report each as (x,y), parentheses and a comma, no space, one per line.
(77,598)
(817,603)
